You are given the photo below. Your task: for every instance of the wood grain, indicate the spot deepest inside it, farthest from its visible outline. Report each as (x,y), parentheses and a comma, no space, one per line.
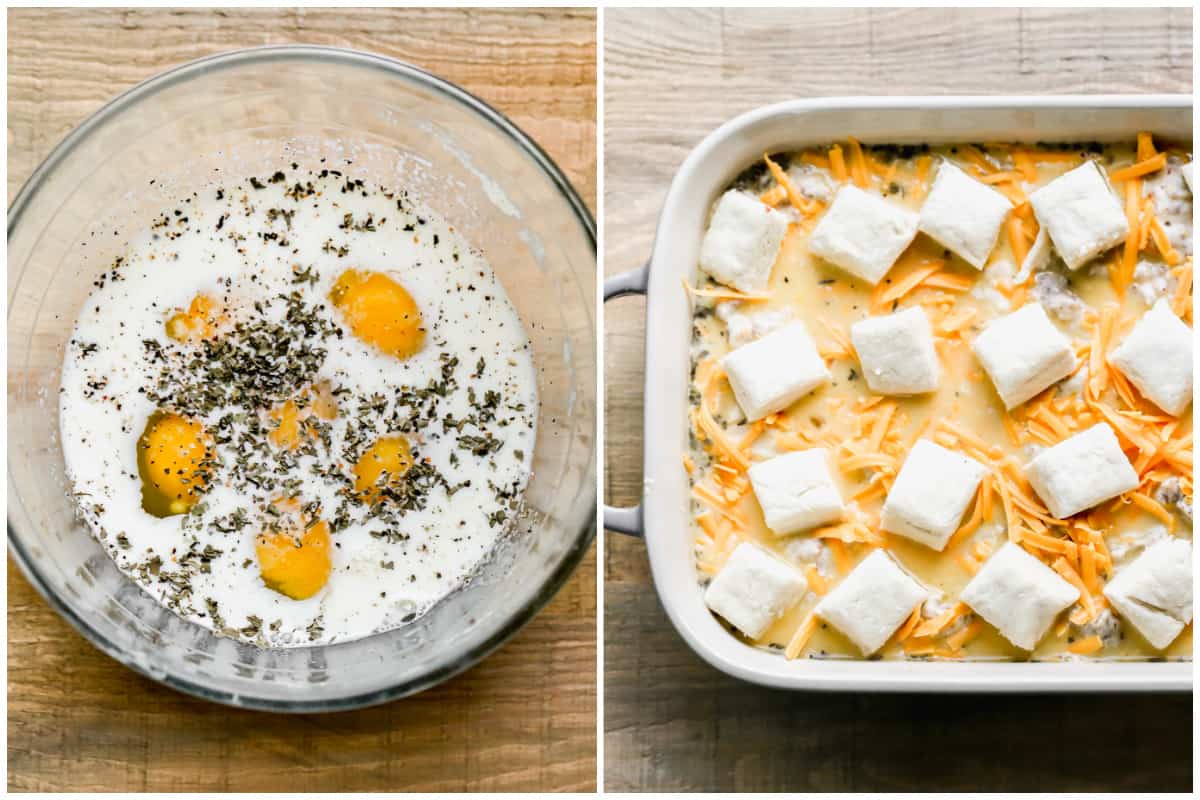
(525,719)
(672,723)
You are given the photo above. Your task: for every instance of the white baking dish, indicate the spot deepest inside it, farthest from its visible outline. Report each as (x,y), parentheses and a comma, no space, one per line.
(664,513)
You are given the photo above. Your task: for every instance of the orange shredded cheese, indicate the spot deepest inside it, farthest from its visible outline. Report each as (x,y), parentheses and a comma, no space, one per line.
(934,626)
(1050,544)
(724,294)
(1097,363)
(798,201)
(883,421)
(717,503)
(837,163)
(974,521)
(922,178)
(1133,210)
(845,348)
(960,638)
(855,463)
(1016,239)
(1002,177)
(816,581)
(840,557)
(1088,569)
(972,155)
(876,488)
(1145,146)
(1086,646)
(957,321)
(905,630)
(952,283)
(801,636)
(904,281)
(773,196)
(708,523)
(1154,508)
(1062,567)
(815,159)
(1010,519)
(858,164)
(1139,169)
(1162,243)
(1181,302)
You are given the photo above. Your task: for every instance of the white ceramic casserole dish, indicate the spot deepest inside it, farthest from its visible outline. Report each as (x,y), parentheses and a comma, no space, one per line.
(663,516)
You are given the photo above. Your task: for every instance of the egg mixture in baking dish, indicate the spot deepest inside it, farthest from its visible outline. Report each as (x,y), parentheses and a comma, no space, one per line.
(299,409)
(941,402)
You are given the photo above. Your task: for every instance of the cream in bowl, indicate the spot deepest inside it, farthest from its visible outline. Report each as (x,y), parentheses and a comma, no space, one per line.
(299,409)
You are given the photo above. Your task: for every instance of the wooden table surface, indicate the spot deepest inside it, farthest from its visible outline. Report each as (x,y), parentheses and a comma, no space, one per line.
(525,719)
(671,721)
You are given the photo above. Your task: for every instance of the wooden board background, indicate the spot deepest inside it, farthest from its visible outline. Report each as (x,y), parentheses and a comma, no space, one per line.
(671,721)
(525,719)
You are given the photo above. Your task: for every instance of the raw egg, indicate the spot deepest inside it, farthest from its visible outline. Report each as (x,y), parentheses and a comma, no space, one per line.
(292,417)
(197,323)
(287,429)
(296,566)
(379,311)
(384,462)
(172,455)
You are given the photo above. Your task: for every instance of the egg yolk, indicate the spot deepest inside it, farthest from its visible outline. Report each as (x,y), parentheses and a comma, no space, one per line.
(295,566)
(172,454)
(291,417)
(197,323)
(384,462)
(287,432)
(379,311)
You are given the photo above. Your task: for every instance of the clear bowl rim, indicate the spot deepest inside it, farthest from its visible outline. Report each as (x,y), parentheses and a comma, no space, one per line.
(393,68)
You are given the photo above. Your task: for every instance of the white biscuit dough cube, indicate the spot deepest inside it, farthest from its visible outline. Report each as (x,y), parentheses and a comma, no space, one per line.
(1081,472)
(1080,212)
(742,242)
(771,373)
(1154,593)
(1023,353)
(1018,595)
(930,495)
(1186,170)
(1156,356)
(896,352)
(796,491)
(872,601)
(753,589)
(963,215)
(863,234)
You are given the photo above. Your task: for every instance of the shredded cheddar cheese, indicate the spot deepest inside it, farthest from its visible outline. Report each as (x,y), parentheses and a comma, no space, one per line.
(1086,646)
(837,163)
(858,164)
(1140,169)
(803,633)
(798,201)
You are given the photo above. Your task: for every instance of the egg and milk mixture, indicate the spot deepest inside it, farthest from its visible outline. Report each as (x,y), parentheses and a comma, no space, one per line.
(775,589)
(299,409)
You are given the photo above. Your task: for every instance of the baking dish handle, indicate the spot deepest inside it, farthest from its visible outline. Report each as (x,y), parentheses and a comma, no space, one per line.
(625,520)
(631,281)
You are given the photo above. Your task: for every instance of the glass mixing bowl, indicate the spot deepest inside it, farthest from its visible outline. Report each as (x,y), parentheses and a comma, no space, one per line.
(243,113)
